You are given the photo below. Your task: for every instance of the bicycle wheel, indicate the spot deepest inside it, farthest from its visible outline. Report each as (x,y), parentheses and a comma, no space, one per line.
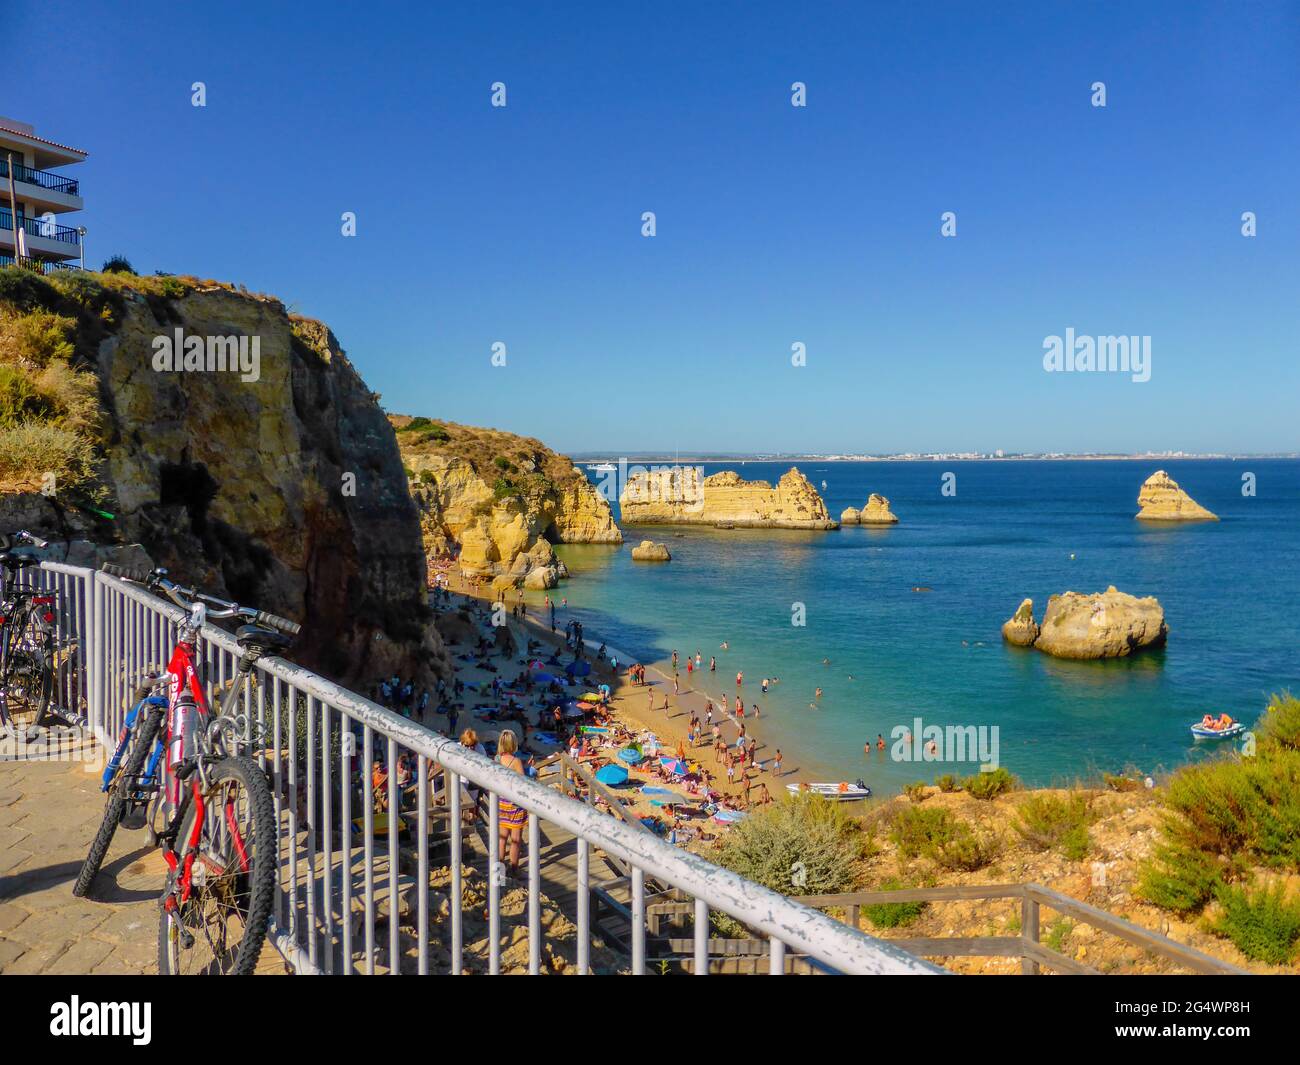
(220,928)
(121,790)
(27,678)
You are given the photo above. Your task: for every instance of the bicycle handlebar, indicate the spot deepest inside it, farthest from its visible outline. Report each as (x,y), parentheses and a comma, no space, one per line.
(22,536)
(185,597)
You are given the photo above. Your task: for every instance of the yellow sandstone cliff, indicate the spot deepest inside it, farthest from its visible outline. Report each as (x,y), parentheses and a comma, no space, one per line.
(499,500)
(680,495)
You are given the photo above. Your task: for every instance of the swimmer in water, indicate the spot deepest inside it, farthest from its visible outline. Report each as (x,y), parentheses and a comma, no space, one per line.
(819,693)
(880,742)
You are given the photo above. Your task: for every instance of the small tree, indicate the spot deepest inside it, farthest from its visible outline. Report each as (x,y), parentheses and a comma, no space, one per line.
(118,264)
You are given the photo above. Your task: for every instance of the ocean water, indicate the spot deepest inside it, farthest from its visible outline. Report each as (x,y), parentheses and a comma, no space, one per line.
(1013,529)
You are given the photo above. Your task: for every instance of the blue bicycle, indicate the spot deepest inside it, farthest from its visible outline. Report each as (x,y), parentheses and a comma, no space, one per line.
(133,777)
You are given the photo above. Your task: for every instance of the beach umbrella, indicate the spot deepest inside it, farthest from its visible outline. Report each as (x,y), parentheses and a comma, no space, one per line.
(611,774)
(544,678)
(573,710)
(578,669)
(674,765)
(630,755)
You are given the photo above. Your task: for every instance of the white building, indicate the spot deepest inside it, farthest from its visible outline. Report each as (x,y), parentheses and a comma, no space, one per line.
(43,196)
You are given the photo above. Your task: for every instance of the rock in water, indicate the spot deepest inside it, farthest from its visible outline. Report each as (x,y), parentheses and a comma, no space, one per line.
(877,512)
(681,495)
(649,551)
(1021,629)
(1109,624)
(1160,499)
(850,516)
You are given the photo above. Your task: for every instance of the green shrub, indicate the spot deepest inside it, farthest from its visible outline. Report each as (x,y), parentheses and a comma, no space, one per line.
(503,488)
(937,835)
(502,463)
(31,450)
(118,264)
(801,845)
(1263,923)
(1280,724)
(1120,783)
(893,914)
(19,399)
(989,785)
(948,783)
(1178,878)
(915,791)
(25,291)
(1046,821)
(35,338)
(1057,933)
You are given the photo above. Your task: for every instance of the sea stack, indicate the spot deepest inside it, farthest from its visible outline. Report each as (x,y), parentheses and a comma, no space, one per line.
(1021,629)
(682,495)
(1160,499)
(877,512)
(649,551)
(1109,624)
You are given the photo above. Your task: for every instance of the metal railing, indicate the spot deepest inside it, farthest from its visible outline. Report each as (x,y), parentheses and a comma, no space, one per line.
(38,227)
(343,875)
(40,266)
(45,179)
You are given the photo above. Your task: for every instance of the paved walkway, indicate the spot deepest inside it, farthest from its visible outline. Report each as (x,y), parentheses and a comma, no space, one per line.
(49,812)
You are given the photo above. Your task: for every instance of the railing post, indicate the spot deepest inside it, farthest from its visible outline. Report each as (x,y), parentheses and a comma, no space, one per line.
(1028,930)
(97,663)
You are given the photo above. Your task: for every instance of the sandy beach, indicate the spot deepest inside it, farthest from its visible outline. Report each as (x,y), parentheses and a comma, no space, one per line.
(637,707)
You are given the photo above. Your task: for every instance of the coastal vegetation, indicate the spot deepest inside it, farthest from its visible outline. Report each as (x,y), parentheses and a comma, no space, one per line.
(1230,841)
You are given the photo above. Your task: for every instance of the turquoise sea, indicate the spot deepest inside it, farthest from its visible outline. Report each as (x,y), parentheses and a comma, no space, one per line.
(1013,529)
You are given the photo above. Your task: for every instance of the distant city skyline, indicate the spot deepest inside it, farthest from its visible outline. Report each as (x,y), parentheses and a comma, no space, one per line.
(779,229)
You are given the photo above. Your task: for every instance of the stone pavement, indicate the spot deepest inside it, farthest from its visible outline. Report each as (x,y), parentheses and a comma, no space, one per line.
(49,812)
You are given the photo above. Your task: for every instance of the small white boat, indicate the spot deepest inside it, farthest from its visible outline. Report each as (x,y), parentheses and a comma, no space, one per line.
(841,792)
(602,467)
(1203,733)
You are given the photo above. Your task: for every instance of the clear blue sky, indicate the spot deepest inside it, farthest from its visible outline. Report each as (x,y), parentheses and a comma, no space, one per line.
(775,224)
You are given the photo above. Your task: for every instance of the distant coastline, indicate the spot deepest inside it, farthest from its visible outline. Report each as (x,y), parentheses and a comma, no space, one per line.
(937,456)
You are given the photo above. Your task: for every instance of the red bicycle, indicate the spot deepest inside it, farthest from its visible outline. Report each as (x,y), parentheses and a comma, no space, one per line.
(177,759)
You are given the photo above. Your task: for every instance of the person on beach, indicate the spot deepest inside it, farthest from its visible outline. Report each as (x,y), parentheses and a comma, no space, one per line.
(880,742)
(764,685)
(757,711)
(510,818)
(690,668)
(731,770)
(674,660)
(776,763)
(708,714)
(713,664)
(675,687)
(665,702)
(740,708)
(740,679)
(652,700)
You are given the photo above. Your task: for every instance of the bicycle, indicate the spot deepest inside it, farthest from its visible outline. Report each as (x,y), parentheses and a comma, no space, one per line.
(177,761)
(27,639)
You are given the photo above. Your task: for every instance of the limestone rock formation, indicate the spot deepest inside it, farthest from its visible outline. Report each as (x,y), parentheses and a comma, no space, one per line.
(1021,629)
(1160,499)
(281,487)
(649,551)
(502,499)
(1109,624)
(681,495)
(849,516)
(877,512)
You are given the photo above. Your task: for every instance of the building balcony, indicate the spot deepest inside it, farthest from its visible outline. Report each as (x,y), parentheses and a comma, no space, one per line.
(44,239)
(47,188)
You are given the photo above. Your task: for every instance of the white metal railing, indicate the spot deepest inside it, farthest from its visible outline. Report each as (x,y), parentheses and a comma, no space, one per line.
(307,732)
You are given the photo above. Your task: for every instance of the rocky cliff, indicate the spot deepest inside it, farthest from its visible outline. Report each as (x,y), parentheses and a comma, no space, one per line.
(1109,624)
(679,495)
(500,500)
(255,463)
(1160,499)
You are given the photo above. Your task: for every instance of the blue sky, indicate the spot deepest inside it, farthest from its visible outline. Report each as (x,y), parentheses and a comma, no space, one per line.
(775,224)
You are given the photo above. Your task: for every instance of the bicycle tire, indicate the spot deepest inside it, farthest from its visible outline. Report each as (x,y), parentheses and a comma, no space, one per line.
(255,913)
(142,743)
(29,662)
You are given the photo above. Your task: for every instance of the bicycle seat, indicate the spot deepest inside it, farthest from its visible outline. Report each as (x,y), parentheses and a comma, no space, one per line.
(254,636)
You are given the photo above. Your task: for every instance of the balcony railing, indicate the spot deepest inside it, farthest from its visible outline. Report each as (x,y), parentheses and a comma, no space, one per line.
(40,266)
(45,179)
(38,227)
